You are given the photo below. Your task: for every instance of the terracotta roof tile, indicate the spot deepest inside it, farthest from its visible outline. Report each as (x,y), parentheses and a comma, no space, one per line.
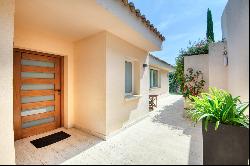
(142,18)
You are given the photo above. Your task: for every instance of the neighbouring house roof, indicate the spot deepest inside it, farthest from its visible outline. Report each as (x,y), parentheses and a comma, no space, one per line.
(142,18)
(155,61)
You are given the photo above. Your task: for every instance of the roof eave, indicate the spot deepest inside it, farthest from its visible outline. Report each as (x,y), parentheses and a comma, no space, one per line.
(142,18)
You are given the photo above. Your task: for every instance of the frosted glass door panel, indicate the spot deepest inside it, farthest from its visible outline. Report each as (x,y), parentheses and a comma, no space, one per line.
(37,111)
(37,87)
(37,99)
(37,75)
(38,122)
(37,63)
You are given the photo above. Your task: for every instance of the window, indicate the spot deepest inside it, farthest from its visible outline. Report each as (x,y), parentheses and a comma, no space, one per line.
(128,78)
(154,78)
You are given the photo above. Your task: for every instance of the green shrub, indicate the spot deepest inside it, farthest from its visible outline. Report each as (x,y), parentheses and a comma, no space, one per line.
(195,48)
(173,84)
(219,107)
(193,83)
(179,71)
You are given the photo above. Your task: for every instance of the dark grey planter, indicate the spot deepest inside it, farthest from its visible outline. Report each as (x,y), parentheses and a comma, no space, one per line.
(229,145)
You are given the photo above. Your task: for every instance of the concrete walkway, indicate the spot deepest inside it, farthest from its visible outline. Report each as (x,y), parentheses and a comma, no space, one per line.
(164,137)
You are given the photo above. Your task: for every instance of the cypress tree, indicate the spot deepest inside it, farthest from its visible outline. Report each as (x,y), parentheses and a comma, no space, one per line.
(210,31)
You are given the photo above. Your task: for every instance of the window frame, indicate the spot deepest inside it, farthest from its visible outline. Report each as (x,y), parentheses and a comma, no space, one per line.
(158,78)
(132,92)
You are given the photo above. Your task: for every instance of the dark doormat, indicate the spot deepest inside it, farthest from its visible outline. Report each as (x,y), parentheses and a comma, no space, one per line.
(50,139)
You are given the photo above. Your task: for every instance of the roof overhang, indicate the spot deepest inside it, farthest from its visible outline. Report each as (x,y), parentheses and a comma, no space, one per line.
(74,20)
(158,63)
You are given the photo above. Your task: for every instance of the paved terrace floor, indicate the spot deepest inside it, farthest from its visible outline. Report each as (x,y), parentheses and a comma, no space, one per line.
(163,137)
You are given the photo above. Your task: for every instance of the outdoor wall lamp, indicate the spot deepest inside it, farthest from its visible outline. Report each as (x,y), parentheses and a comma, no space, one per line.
(145,65)
(225,57)
(225,52)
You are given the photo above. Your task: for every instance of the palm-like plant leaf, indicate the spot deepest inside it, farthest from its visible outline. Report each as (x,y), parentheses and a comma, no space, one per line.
(217,124)
(242,108)
(219,107)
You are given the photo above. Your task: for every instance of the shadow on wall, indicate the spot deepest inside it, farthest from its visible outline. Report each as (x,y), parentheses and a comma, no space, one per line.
(172,116)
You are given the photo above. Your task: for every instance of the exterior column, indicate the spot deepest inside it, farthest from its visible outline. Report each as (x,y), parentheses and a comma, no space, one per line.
(7,150)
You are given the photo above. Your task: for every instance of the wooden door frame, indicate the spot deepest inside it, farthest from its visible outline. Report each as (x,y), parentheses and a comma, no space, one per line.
(17,82)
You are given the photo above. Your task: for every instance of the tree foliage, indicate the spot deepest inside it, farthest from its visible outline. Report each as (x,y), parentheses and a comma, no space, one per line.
(195,48)
(173,85)
(179,71)
(210,31)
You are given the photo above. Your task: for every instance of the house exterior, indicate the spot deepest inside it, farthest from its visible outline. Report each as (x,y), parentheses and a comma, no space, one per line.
(70,64)
(226,66)
(158,76)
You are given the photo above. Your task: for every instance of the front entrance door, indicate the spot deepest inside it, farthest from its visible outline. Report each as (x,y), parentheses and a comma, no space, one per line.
(37,92)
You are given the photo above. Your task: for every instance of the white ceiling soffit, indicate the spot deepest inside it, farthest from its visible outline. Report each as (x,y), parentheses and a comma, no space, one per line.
(76,19)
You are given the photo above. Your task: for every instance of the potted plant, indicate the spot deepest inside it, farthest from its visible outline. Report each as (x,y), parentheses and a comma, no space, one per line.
(225,127)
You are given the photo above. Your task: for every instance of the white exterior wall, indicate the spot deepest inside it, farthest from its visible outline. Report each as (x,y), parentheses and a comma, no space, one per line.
(120,113)
(164,84)
(100,105)
(7,151)
(235,29)
(218,72)
(198,62)
(164,69)
(212,66)
(90,84)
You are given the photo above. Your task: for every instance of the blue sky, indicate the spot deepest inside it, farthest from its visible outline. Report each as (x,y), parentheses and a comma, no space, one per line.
(181,21)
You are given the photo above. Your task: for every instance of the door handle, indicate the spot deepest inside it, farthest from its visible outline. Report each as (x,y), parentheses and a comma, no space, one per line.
(58,91)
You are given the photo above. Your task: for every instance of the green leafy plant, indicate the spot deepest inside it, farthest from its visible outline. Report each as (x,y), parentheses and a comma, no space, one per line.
(173,84)
(195,48)
(219,107)
(193,83)
(179,71)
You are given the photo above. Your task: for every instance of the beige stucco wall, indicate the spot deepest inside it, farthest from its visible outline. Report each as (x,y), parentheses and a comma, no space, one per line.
(235,30)
(85,61)
(91,54)
(49,43)
(198,62)
(218,72)
(120,112)
(88,47)
(7,151)
(212,65)
(90,84)
(91,100)
(164,83)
